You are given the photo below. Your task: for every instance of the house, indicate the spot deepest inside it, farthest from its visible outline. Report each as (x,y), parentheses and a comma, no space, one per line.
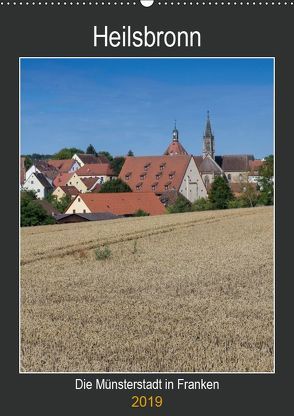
(72,179)
(38,183)
(84,158)
(159,174)
(120,203)
(81,217)
(254,175)
(41,166)
(100,171)
(62,191)
(64,165)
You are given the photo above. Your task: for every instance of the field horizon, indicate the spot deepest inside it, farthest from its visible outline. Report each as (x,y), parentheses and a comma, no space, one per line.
(188,292)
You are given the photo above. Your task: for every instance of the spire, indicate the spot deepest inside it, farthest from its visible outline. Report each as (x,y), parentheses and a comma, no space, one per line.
(175,133)
(208,131)
(208,139)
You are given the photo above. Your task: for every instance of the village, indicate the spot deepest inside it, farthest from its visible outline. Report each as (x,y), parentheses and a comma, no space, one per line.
(142,185)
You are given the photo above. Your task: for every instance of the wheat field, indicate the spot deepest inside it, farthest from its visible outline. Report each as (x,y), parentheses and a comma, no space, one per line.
(186,292)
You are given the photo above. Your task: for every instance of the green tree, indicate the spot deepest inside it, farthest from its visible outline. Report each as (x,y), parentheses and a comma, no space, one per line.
(60,204)
(202,204)
(28,162)
(220,193)
(91,150)
(66,153)
(182,204)
(31,212)
(107,154)
(265,183)
(116,165)
(115,185)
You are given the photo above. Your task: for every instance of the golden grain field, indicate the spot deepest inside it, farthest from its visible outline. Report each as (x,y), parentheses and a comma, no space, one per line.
(182,292)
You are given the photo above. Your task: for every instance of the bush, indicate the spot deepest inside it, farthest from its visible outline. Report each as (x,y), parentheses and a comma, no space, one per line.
(115,185)
(182,204)
(141,213)
(237,203)
(202,204)
(102,253)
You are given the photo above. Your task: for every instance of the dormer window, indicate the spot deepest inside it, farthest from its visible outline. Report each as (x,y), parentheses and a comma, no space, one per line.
(158,175)
(146,166)
(128,175)
(142,176)
(154,186)
(171,174)
(162,166)
(139,186)
(166,186)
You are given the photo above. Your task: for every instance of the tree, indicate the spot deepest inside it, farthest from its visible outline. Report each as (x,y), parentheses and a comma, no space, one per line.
(116,165)
(130,153)
(91,150)
(60,204)
(220,193)
(265,183)
(182,204)
(66,153)
(31,211)
(28,163)
(107,154)
(249,196)
(115,185)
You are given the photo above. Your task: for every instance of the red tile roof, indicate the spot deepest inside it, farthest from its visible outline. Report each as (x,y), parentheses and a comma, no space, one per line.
(64,165)
(160,169)
(123,203)
(95,169)
(175,148)
(70,190)
(255,165)
(89,182)
(62,179)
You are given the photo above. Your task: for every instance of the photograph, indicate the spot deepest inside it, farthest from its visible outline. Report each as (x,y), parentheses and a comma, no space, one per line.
(146,219)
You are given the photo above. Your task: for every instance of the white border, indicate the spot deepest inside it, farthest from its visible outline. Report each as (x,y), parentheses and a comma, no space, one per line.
(274,219)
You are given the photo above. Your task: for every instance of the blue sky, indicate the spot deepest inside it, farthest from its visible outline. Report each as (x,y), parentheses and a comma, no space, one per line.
(122,104)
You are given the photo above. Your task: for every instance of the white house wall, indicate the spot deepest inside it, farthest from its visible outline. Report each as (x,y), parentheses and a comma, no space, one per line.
(192,186)
(33,184)
(78,206)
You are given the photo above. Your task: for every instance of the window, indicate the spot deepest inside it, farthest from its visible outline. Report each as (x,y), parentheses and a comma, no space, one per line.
(157,176)
(143,176)
(84,211)
(73,211)
(146,166)
(79,199)
(229,176)
(32,182)
(162,166)
(38,190)
(240,177)
(171,175)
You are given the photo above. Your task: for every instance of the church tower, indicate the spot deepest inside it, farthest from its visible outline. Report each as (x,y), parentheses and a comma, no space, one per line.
(175,147)
(208,140)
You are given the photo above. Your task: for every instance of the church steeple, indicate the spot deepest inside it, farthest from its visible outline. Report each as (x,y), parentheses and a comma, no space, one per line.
(208,139)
